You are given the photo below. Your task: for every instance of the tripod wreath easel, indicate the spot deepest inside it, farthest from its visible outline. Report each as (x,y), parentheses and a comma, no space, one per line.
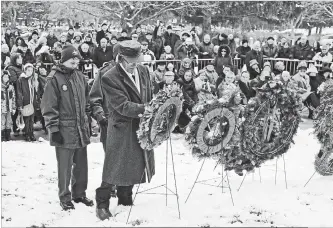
(155,127)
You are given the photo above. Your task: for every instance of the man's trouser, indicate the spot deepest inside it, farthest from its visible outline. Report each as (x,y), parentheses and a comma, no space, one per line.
(124,194)
(72,167)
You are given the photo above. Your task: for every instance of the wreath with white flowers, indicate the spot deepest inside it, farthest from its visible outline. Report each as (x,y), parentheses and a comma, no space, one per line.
(323,125)
(160,116)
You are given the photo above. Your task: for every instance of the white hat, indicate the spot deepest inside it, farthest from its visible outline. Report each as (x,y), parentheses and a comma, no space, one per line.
(312,69)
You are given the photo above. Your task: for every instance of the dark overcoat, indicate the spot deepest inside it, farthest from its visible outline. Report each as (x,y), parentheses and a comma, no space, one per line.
(126,163)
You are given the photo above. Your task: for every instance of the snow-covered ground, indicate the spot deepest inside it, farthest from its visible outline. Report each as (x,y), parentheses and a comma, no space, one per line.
(29,190)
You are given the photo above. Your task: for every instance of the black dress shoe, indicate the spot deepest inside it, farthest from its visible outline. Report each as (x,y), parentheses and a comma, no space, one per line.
(103,213)
(85,201)
(67,205)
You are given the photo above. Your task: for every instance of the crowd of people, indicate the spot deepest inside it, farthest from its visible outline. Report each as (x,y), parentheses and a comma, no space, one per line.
(25,64)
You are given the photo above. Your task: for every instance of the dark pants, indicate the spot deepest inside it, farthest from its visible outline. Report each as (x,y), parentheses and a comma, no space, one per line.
(124,194)
(72,167)
(29,124)
(312,102)
(14,117)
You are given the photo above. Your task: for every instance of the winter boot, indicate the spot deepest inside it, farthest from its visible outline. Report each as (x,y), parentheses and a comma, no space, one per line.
(124,194)
(85,201)
(27,137)
(103,203)
(67,205)
(3,136)
(7,134)
(32,137)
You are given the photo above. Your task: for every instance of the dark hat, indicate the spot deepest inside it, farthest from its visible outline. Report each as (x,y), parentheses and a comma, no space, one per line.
(138,26)
(24,44)
(193,29)
(70,27)
(169,27)
(68,52)
(124,30)
(186,34)
(129,48)
(302,65)
(34,33)
(245,41)
(149,33)
(88,36)
(105,24)
(224,36)
(325,69)
(270,38)
(113,37)
(144,41)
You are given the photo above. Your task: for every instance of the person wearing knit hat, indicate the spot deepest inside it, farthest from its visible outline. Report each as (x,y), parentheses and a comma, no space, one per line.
(302,65)
(113,40)
(70,34)
(126,87)
(66,95)
(270,50)
(312,70)
(267,66)
(278,67)
(243,50)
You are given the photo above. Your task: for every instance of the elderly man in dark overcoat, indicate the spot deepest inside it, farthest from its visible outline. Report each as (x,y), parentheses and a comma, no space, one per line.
(65,107)
(127,88)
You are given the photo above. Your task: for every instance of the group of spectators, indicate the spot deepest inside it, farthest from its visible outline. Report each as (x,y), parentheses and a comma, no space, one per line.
(25,65)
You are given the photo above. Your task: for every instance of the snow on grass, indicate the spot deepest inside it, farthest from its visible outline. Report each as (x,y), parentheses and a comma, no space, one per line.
(29,190)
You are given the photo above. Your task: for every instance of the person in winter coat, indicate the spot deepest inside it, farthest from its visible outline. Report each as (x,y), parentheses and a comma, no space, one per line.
(19,42)
(77,40)
(244,85)
(44,56)
(26,95)
(168,79)
(8,105)
(212,76)
(33,43)
(70,34)
(56,53)
(26,54)
(8,38)
(158,75)
(220,39)
(256,54)
(206,51)
(103,53)
(167,55)
(152,45)
(88,40)
(126,88)
(243,50)
(102,34)
(232,45)
(302,50)
(5,56)
(260,80)
(324,56)
(63,39)
(284,51)
(223,59)
(227,86)
(51,39)
(15,70)
(278,68)
(187,50)
(67,122)
(186,65)
(87,56)
(41,82)
(41,45)
(148,55)
(170,38)
(190,99)
(270,50)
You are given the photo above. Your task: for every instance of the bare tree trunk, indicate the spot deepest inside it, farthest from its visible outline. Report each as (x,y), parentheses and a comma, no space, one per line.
(309,29)
(320,30)
(70,23)
(207,21)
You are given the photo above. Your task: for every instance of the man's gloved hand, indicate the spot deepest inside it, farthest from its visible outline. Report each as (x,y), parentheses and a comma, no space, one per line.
(103,122)
(57,137)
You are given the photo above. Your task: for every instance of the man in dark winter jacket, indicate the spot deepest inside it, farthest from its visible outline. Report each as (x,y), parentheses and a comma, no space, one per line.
(102,34)
(70,35)
(51,39)
(302,50)
(243,50)
(68,125)
(270,50)
(220,39)
(126,88)
(256,54)
(170,38)
(27,55)
(103,53)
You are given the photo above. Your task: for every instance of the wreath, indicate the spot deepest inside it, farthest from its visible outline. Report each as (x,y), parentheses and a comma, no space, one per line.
(160,116)
(214,129)
(323,125)
(271,121)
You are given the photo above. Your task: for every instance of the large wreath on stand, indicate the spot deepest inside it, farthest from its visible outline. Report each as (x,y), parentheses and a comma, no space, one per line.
(323,125)
(271,121)
(214,129)
(160,117)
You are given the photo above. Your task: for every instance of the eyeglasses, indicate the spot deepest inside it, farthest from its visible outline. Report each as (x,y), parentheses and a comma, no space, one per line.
(144,44)
(134,37)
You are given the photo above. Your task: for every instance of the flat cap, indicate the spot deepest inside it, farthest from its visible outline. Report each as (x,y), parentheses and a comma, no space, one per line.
(129,48)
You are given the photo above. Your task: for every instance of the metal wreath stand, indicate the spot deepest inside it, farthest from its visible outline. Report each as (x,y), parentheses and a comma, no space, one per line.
(222,112)
(176,105)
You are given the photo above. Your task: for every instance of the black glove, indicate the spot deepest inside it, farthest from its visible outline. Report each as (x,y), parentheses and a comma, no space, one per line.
(57,137)
(103,122)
